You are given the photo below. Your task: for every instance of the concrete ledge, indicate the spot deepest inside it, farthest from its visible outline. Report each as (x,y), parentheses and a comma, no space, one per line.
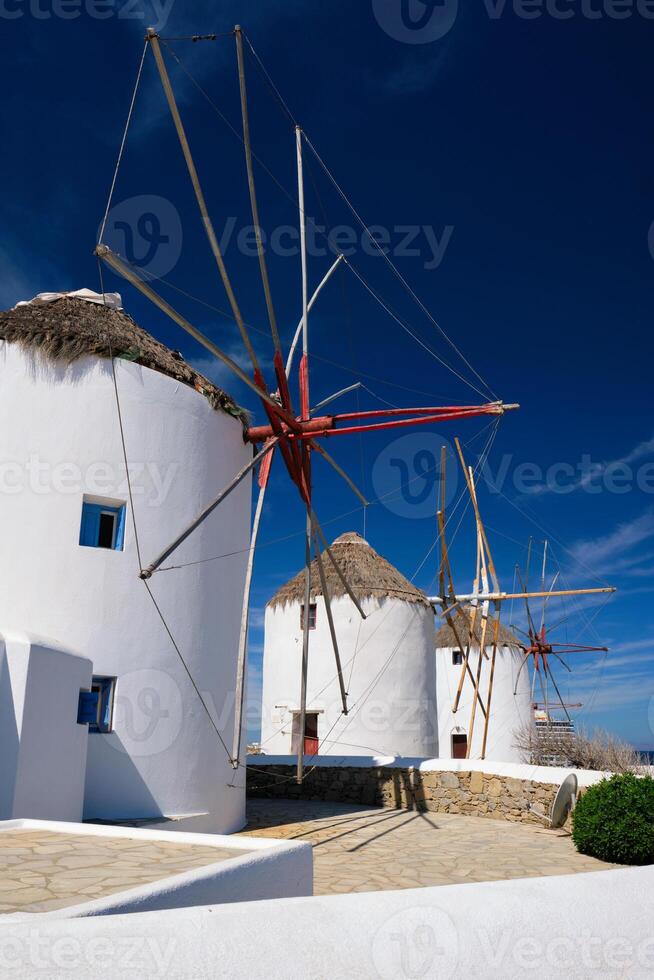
(500,791)
(267,869)
(583,926)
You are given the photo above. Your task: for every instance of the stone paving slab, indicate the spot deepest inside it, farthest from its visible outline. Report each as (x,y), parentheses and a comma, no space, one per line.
(42,870)
(356,849)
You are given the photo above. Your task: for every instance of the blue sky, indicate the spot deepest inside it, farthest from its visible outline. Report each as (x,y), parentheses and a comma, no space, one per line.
(508,163)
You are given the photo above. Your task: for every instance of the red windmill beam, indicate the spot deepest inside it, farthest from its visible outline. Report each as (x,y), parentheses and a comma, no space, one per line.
(328,425)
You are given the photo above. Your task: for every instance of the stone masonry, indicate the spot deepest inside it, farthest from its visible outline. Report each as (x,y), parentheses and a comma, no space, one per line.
(474,793)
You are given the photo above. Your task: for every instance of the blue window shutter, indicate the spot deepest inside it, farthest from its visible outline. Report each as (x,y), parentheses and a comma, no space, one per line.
(106,704)
(90,526)
(120,529)
(87,709)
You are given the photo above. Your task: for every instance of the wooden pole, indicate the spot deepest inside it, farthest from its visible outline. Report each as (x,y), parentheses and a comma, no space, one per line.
(202,205)
(330,620)
(202,516)
(341,472)
(298,332)
(251,186)
(116,263)
(305,396)
(337,569)
(305,649)
(243,635)
(496,636)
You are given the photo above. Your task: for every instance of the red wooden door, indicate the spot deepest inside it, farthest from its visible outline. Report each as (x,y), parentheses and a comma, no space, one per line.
(311,734)
(459,746)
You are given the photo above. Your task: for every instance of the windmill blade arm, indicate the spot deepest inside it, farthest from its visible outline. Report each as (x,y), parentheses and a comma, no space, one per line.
(202,516)
(298,332)
(330,620)
(337,568)
(243,636)
(341,472)
(121,267)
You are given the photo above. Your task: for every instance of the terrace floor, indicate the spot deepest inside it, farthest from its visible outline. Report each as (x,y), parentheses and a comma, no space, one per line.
(358,850)
(41,870)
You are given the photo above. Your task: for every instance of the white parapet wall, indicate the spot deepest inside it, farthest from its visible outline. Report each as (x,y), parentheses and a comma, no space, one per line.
(581,927)
(258,868)
(511,770)
(42,747)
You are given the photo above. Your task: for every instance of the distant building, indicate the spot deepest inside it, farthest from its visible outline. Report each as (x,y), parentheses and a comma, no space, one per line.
(552,734)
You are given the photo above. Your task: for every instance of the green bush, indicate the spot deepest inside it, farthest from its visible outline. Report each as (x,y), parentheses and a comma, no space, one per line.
(614,820)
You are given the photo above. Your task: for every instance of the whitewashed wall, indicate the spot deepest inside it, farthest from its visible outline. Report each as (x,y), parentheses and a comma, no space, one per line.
(509,712)
(42,748)
(388,665)
(59,439)
(594,926)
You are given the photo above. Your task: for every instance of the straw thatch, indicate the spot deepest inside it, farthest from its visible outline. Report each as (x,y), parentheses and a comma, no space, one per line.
(367,573)
(68,329)
(446,637)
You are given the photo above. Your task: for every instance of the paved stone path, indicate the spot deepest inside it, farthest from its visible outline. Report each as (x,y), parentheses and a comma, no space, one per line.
(41,870)
(359,850)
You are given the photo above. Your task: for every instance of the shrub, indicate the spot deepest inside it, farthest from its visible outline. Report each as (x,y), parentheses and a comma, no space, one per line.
(614,820)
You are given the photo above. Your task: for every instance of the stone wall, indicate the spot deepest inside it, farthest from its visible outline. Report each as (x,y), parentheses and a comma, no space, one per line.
(474,793)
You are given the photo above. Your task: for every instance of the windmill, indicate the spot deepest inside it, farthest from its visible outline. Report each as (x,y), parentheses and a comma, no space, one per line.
(538,646)
(470,621)
(296,434)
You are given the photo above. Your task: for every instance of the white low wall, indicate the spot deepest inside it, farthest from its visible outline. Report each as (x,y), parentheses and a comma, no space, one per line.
(514,770)
(582,926)
(271,869)
(42,748)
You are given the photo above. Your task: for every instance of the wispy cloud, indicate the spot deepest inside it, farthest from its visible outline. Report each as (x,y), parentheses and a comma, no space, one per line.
(594,472)
(607,547)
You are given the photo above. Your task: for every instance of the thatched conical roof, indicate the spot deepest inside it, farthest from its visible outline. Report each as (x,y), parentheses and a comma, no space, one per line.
(367,573)
(446,637)
(68,328)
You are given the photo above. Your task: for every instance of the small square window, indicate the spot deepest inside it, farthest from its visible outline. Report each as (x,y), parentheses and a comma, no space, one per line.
(457,658)
(96,707)
(313,607)
(102,525)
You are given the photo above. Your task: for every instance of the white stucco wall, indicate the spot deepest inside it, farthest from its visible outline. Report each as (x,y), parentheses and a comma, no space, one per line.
(60,439)
(508,713)
(582,926)
(388,665)
(42,748)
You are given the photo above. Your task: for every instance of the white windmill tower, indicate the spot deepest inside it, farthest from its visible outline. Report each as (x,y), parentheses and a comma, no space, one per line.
(87,396)
(387,659)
